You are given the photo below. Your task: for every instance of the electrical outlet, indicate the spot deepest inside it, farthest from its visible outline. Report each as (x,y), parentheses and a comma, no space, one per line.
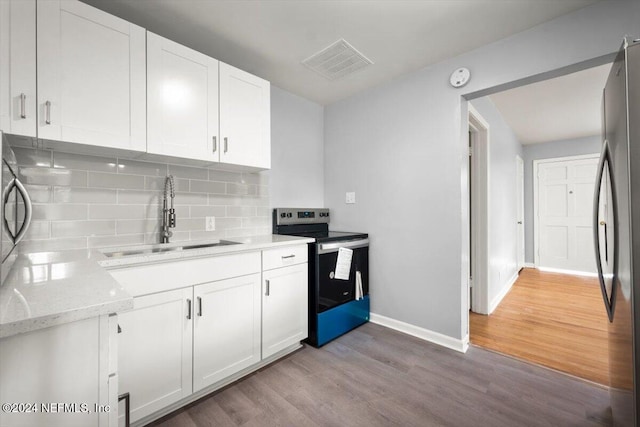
(210,223)
(350,197)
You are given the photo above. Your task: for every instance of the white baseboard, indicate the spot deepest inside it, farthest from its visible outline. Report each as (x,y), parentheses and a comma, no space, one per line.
(529,265)
(495,302)
(572,272)
(460,345)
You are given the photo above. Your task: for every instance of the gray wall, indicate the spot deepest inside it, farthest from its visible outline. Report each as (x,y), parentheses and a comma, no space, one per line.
(88,201)
(503,149)
(401,148)
(548,150)
(297,169)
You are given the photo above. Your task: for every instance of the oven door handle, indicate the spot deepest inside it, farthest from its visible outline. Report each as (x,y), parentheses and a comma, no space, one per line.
(325,248)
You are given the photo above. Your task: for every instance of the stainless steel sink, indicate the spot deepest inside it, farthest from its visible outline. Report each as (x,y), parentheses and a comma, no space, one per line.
(118,254)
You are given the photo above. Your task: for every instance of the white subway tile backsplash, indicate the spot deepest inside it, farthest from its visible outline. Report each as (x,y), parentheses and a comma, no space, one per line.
(138,226)
(133,167)
(32,157)
(82,162)
(119,240)
(188,172)
(89,201)
(109,180)
(84,195)
(53,212)
(241,189)
(211,187)
(82,228)
(52,176)
(117,212)
(202,211)
(234,211)
(40,193)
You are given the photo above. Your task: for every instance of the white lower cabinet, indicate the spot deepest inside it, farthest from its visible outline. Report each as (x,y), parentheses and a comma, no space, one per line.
(226,333)
(284,308)
(178,342)
(155,352)
(60,375)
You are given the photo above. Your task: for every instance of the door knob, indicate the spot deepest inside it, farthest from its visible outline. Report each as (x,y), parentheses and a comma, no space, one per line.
(520,222)
(603,223)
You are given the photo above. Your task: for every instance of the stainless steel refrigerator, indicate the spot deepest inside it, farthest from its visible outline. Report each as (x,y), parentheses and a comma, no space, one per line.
(617,229)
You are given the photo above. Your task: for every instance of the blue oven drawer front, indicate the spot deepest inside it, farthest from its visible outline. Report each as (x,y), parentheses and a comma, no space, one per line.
(341,319)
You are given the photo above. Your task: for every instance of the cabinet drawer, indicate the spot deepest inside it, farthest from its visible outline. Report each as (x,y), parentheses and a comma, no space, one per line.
(149,279)
(281,257)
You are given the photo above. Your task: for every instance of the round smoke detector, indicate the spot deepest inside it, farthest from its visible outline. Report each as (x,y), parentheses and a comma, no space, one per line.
(460,77)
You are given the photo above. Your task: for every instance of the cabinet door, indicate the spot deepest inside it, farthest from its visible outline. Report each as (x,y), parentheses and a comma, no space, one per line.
(284,308)
(18,67)
(245,118)
(52,366)
(91,76)
(226,335)
(182,87)
(154,352)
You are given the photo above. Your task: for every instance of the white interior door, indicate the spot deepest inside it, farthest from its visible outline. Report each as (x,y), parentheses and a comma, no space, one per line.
(564,203)
(520,211)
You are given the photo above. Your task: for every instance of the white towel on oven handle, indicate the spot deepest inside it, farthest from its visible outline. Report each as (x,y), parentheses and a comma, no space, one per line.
(359,291)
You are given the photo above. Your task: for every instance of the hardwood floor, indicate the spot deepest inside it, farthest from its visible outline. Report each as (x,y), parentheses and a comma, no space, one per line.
(374,376)
(555,320)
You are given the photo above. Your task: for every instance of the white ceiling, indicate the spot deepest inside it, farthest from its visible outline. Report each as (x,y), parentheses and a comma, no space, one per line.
(565,107)
(271,38)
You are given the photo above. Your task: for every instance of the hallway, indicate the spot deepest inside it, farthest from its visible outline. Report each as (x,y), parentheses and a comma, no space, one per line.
(555,320)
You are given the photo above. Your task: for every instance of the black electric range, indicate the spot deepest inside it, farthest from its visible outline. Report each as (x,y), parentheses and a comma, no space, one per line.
(335,305)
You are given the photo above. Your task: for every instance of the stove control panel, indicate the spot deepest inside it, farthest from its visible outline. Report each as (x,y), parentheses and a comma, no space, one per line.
(291,216)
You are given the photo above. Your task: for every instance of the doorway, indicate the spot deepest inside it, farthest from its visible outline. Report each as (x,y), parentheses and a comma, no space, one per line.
(519,309)
(478,211)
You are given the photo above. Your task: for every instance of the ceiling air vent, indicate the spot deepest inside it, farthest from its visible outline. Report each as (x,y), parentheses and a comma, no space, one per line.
(337,60)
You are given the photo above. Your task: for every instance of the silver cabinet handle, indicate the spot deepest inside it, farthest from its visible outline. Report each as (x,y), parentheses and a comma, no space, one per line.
(520,222)
(47,112)
(188,308)
(199,306)
(267,288)
(288,256)
(226,144)
(119,329)
(215,144)
(23,106)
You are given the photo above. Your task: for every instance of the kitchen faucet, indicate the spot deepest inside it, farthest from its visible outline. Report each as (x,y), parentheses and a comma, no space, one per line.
(168,215)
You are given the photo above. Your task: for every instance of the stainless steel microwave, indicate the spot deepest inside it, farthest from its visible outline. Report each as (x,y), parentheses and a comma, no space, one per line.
(15,209)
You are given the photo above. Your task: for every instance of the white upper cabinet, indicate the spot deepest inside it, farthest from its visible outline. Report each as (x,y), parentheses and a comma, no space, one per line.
(18,67)
(182,94)
(91,76)
(245,118)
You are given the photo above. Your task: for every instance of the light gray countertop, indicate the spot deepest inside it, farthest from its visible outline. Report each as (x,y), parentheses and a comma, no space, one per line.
(45,289)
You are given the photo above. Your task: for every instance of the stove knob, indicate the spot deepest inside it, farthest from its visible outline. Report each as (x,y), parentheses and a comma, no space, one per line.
(283,215)
(289,215)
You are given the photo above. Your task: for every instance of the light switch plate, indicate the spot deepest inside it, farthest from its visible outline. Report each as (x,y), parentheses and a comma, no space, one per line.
(210,223)
(350,197)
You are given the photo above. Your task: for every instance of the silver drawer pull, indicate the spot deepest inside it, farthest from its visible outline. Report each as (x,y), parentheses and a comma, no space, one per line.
(23,102)
(226,144)
(47,112)
(188,308)
(267,285)
(215,144)
(288,256)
